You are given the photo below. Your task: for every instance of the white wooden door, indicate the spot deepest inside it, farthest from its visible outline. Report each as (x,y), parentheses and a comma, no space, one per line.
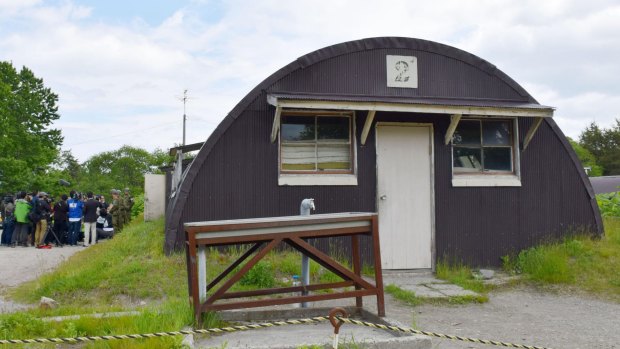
(404,199)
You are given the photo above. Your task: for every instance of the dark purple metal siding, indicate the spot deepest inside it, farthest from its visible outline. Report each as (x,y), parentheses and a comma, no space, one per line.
(235,174)
(364,73)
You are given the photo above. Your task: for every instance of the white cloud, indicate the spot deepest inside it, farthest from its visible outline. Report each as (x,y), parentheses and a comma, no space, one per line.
(124,78)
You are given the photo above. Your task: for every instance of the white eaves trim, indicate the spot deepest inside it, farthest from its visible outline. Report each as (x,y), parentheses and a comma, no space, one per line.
(485,181)
(317,179)
(411,108)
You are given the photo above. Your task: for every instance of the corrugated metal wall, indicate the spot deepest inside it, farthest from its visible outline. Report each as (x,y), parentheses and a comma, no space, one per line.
(238,177)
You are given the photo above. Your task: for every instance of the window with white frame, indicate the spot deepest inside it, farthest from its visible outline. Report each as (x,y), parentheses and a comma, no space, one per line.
(483,147)
(316,143)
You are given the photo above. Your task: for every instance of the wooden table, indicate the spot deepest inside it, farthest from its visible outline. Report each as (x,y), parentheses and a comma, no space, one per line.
(264,234)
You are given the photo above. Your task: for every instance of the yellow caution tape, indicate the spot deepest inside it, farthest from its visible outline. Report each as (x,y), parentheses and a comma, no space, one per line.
(265,325)
(434,334)
(166,334)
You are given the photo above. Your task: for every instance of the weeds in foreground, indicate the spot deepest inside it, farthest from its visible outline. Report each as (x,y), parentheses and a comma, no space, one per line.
(461,275)
(410,298)
(124,270)
(403,295)
(111,276)
(591,264)
(169,316)
(275,269)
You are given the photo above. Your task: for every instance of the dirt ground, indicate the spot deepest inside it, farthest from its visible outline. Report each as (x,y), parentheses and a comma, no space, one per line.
(21,264)
(521,315)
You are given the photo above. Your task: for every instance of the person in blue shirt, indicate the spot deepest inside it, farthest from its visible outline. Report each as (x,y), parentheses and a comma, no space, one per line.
(76,210)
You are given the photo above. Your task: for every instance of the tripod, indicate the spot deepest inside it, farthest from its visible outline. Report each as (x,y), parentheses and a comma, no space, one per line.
(50,230)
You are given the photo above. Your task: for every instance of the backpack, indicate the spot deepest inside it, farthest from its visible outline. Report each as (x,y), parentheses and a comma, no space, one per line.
(35,213)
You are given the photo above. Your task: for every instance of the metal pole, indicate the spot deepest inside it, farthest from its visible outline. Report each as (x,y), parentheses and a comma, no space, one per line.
(184,115)
(304,210)
(184,118)
(202,273)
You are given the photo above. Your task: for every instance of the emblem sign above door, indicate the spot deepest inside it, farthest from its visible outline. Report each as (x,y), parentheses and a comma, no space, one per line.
(402,71)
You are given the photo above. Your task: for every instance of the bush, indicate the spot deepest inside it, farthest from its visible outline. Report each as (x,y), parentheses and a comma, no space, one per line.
(609,204)
(545,263)
(261,276)
(138,206)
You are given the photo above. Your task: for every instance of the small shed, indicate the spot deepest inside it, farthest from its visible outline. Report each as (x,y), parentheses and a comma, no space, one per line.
(458,160)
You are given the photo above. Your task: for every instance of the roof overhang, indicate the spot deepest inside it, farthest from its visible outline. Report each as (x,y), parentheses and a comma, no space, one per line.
(479,107)
(450,106)
(185,148)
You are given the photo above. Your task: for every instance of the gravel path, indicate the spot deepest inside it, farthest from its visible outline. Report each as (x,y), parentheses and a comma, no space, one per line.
(523,315)
(23,264)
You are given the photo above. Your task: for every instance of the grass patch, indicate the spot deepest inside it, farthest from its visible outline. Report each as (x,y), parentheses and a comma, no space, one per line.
(169,316)
(410,298)
(461,275)
(274,270)
(111,276)
(403,295)
(590,264)
(130,267)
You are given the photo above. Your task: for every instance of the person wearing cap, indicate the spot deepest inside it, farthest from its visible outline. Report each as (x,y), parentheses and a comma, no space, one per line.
(115,210)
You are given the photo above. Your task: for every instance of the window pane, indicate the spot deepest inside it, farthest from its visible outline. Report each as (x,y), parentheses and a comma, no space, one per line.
(333,128)
(467,133)
(298,157)
(496,133)
(467,159)
(498,159)
(334,157)
(297,128)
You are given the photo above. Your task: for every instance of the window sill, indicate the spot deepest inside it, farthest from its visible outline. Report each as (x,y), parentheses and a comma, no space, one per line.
(317,179)
(485,181)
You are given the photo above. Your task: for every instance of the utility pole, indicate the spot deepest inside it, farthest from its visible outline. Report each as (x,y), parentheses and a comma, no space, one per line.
(184,115)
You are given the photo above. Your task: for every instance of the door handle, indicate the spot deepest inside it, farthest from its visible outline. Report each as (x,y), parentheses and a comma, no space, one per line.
(383,197)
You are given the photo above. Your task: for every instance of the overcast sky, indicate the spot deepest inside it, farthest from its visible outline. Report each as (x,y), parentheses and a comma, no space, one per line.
(120,66)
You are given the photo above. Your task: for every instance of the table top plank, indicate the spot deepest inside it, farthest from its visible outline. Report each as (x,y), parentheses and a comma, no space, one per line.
(278,221)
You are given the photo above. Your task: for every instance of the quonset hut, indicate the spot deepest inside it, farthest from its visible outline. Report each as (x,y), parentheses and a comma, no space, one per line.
(458,159)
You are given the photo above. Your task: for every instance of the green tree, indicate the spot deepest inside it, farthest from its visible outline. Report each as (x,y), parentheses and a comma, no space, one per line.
(587,159)
(604,144)
(28,143)
(124,167)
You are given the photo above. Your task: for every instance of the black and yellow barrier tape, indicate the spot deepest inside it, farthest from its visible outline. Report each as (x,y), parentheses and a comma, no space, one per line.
(75,340)
(434,334)
(228,329)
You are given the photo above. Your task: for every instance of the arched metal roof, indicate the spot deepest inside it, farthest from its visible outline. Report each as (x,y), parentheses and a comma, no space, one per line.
(176,205)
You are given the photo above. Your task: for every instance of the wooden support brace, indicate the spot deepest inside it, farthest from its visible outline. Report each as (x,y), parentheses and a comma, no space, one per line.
(228,284)
(275,128)
(234,265)
(453,124)
(369,118)
(531,132)
(328,263)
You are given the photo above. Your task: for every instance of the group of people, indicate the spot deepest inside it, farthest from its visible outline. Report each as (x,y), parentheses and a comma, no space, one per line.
(33,219)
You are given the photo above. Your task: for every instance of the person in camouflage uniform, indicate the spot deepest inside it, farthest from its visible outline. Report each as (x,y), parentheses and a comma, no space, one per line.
(127,205)
(121,208)
(115,210)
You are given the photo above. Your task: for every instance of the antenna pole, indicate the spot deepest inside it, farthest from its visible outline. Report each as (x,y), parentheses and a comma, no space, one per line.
(184,115)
